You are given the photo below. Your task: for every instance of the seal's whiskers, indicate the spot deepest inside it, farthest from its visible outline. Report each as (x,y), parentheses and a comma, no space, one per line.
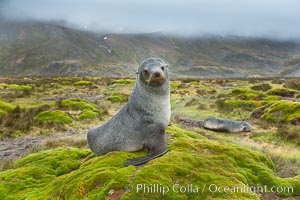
(149,79)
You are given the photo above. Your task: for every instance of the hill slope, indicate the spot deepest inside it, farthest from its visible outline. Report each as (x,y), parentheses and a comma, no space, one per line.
(33,48)
(193,168)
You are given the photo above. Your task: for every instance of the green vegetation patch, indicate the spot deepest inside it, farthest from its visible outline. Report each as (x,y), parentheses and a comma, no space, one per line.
(89,110)
(77,104)
(34,172)
(282,111)
(243,104)
(2,113)
(231,104)
(175,84)
(18,87)
(4,106)
(262,87)
(283,92)
(247,94)
(73,173)
(53,116)
(124,81)
(118,98)
(83,83)
(293,84)
(88,114)
(271,98)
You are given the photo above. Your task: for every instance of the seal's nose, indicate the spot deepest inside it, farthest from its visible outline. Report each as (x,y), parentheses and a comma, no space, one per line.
(157,74)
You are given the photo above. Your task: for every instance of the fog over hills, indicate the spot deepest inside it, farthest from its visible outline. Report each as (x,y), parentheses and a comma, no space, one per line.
(35,48)
(199,38)
(247,18)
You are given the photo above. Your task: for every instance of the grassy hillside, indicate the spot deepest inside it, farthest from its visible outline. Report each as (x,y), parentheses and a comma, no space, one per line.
(31,48)
(44,153)
(73,173)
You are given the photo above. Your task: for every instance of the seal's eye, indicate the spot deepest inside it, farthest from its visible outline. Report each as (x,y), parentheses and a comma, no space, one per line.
(163,68)
(146,71)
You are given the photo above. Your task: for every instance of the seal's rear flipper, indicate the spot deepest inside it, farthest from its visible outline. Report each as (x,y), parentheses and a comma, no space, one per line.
(142,160)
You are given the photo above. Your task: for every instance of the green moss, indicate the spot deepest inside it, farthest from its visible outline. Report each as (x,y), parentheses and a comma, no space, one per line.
(247,94)
(192,160)
(77,104)
(89,110)
(284,92)
(195,83)
(271,98)
(88,114)
(2,113)
(82,83)
(118,98)
(4,106)
(66,82)
(175,84)
(282,111)
(36,171)
(18,87)
(53,116)
(262,87)
(124,81)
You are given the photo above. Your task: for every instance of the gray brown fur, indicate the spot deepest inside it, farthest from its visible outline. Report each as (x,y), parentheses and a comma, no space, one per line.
(226,125)
(143,120)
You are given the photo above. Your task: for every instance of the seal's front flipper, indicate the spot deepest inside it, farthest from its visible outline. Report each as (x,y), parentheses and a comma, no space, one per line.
(142,160)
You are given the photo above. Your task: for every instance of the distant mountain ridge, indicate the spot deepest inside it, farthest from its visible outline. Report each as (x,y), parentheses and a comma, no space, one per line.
(32,48)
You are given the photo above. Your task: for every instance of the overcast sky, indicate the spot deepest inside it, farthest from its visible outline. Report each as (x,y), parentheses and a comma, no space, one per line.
(264,18)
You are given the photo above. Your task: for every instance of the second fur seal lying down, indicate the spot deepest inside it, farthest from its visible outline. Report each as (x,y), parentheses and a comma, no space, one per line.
(226,125)
(142,122)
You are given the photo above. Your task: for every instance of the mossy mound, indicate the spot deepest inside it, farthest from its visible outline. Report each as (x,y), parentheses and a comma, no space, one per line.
(88,114)
(283,92)
(124,81)
(247,94)
(2,113)
(271,98)
(34,172)
(118,98)
(293,84)
(88,110)
(53,116)
(18,87)
(6,106)
(262,87)
(282,111)
(77,104)
(246,104)
(83,83)
(73,173)
(175,84)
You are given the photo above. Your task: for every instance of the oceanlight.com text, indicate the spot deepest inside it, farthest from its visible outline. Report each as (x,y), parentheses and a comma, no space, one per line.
(208,188)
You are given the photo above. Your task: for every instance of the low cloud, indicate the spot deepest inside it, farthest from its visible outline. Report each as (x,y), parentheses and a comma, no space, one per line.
(257,18)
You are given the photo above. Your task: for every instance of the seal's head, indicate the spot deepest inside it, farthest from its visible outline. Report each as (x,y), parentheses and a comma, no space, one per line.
(245,127)
(153,72)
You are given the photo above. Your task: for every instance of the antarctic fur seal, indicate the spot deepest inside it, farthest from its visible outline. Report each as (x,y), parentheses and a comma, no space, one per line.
(226,125)
(142,122)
